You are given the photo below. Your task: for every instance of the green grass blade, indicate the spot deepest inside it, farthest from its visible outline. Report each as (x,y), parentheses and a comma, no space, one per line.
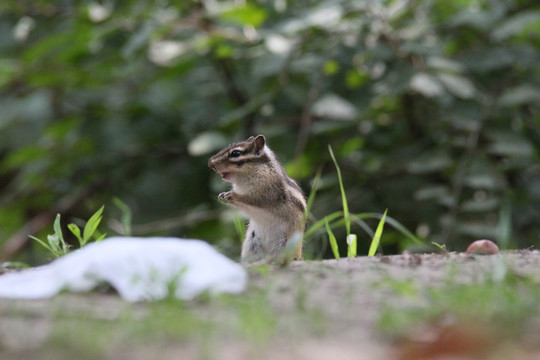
(320,223)
(332,240)
(343,196)
(363,225)
(377,238)
(392,222)
(402,229)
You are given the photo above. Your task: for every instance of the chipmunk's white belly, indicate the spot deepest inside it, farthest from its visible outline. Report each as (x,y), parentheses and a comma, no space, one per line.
(269,229)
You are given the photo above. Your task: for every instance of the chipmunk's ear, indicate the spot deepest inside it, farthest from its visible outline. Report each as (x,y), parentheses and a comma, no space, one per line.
(260,141)
(250,139)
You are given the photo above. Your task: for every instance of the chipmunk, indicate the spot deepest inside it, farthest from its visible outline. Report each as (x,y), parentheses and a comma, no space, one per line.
(262,190)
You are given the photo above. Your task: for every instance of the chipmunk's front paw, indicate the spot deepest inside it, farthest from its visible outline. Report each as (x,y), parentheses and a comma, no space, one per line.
(225,197)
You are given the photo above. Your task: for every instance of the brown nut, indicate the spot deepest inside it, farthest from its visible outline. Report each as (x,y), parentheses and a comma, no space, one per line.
(483,247)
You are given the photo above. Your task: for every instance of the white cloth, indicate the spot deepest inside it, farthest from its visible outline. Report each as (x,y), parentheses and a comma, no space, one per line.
(138,268)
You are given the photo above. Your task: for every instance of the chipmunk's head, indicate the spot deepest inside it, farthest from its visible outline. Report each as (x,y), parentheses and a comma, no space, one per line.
(240,159)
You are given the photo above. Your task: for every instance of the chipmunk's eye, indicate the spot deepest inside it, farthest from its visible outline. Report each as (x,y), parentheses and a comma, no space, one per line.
(235,153)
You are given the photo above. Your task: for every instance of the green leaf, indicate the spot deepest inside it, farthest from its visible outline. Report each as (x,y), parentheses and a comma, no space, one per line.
(8,69)
(522,22)
(23,156)
(377,238)
(248,14)
(54,244)
(332,239)
(57,228)
(77,232)
(56,240)
(335,107)
(507,143)
(520,95)
(458,85)
(445,64)
(331,67)
(92,225)
(426,85)
(41,242)
(100,237)
(431,162)
(354,79)
(224,51)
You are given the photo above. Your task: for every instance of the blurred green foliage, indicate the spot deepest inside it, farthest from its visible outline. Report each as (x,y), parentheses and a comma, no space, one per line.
(432,108)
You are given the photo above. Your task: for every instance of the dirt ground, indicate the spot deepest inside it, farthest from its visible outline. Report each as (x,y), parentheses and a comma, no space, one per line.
(328,309)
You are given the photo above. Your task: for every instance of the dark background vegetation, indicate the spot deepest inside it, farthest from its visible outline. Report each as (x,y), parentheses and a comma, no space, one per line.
(432,108)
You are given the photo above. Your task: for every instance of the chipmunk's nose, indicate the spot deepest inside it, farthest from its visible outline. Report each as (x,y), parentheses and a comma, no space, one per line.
(211,164)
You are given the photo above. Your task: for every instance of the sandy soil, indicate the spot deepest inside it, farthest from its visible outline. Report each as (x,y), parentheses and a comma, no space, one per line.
(326,309)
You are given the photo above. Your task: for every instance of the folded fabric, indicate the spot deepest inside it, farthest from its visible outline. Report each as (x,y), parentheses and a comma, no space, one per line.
(138,269)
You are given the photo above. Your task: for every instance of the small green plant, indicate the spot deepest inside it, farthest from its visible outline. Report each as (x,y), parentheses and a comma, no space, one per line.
(439,246)
(56,244)
(344,217)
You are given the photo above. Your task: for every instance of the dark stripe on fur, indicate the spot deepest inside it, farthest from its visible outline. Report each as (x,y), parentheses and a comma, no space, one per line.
(282,194)
(256,160)
(291,182)
(298,204)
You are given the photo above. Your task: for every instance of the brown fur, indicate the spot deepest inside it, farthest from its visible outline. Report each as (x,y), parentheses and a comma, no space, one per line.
(274,202)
